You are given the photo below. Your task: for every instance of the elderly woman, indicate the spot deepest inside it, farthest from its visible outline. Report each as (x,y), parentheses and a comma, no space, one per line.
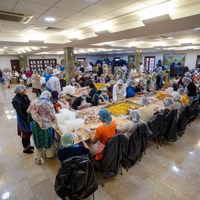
(84,101)
(119,91)
(43,115)
(184,97)
(70,149)
(21,103)
(159,80)
(104,97)
(130,90)
(168,103)
(36,83)
(130,127)
(190,88)
(177,104)
(62,103)
(102,134)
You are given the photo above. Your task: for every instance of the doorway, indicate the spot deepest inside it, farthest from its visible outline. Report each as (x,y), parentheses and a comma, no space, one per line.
(149,63)
(15,66)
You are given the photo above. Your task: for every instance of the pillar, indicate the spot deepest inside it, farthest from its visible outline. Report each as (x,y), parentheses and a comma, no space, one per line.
(69,62)
(23,61)
(138,59)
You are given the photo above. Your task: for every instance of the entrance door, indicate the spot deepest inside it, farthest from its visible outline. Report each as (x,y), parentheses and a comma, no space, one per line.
(149,62)
(15,66)
(198,60)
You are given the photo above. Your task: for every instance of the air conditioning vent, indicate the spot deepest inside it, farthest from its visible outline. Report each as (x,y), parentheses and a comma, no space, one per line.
(14,17)
(54,29)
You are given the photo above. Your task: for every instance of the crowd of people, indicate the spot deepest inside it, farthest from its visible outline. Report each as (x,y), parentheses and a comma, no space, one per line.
(37,118)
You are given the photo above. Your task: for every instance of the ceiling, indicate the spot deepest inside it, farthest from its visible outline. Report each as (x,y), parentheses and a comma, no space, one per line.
(99,26)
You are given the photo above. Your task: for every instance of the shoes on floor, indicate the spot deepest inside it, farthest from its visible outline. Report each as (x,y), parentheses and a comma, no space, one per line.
(28,151)
(31,148)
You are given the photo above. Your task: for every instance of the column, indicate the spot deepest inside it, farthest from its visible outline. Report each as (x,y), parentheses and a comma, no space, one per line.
(69,61)
(23,61)
(138,59)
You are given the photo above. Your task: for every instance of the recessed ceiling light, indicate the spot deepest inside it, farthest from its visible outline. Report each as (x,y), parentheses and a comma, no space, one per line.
(170,38)
(31,31)
(196,29)
(49,19)
(5,47)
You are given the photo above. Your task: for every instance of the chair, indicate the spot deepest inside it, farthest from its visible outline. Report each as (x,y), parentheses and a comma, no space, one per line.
(76,179)
(155,124)
(182,120)
(169,128)
(113,153)
(137,144)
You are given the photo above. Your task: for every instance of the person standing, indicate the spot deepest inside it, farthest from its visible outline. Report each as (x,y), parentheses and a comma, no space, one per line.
(48,75)
(21,103)
(119,91)
(36,83)
(53,84)
(43,115)
(7,79)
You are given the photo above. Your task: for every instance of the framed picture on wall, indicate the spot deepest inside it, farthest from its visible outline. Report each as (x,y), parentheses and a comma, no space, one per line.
(131,60)
(178,57)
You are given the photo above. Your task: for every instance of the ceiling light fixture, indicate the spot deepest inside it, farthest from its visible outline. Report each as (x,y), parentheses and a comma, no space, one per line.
(170,38)
(5,47)
(49,19)
(31,31)
(156,19)
(102,32)
(197,29)
(36,41)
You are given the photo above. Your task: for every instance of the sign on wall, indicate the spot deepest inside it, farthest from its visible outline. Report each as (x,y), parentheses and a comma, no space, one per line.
(177,57)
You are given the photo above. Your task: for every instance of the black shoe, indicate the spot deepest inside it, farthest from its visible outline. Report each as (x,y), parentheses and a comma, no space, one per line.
(28,151)
(31,148)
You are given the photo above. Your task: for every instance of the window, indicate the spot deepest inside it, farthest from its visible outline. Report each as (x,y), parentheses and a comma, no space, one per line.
(149,62)
(41,64)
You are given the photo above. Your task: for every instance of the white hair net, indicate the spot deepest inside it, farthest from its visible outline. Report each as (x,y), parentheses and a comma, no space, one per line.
(161,72)
(67,140)
(176,96)
(46,95)
(61,94)
(154,74)
(188,74)
(168,101)
(120,82)
(104,89)
(20,88)
(144,101)
(83,93)
(134,114)
(186,80)
(180,91)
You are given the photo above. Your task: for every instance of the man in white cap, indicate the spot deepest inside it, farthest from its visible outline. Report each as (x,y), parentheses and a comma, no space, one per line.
(54,83)
(48,75)
(119,91)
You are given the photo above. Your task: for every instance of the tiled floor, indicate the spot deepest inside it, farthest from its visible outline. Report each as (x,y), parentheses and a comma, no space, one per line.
(168,173)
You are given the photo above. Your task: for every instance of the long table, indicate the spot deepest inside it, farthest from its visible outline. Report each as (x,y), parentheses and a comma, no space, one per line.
(119,120)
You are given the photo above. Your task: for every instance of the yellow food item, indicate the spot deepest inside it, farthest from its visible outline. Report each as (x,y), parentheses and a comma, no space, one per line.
(99,85)
(161,95)
(122,108)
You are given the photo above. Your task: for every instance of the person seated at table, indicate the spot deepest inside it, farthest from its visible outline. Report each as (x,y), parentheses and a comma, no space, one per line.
(168,103)
(119,91)
(180,82)
(151,81)
(69,149)
(92,87)
(84,101)
(140,88)
(190,88)
(110,88)
(101,79)
(130,90)
(177,104)
(62,102)
(104,97)
(130,127)
(184,97)
(74,83)
(102,134)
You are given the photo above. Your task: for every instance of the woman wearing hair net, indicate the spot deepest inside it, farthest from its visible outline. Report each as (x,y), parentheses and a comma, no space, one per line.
(180,82)
(70,149)
(104,97)
(21,103)
(130,127)
(119,91)
(130,90)
(168,103)
(190,88)
(62,102)
(43,119)
(177,104)
(84,101)
(184,97)
(102,134)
